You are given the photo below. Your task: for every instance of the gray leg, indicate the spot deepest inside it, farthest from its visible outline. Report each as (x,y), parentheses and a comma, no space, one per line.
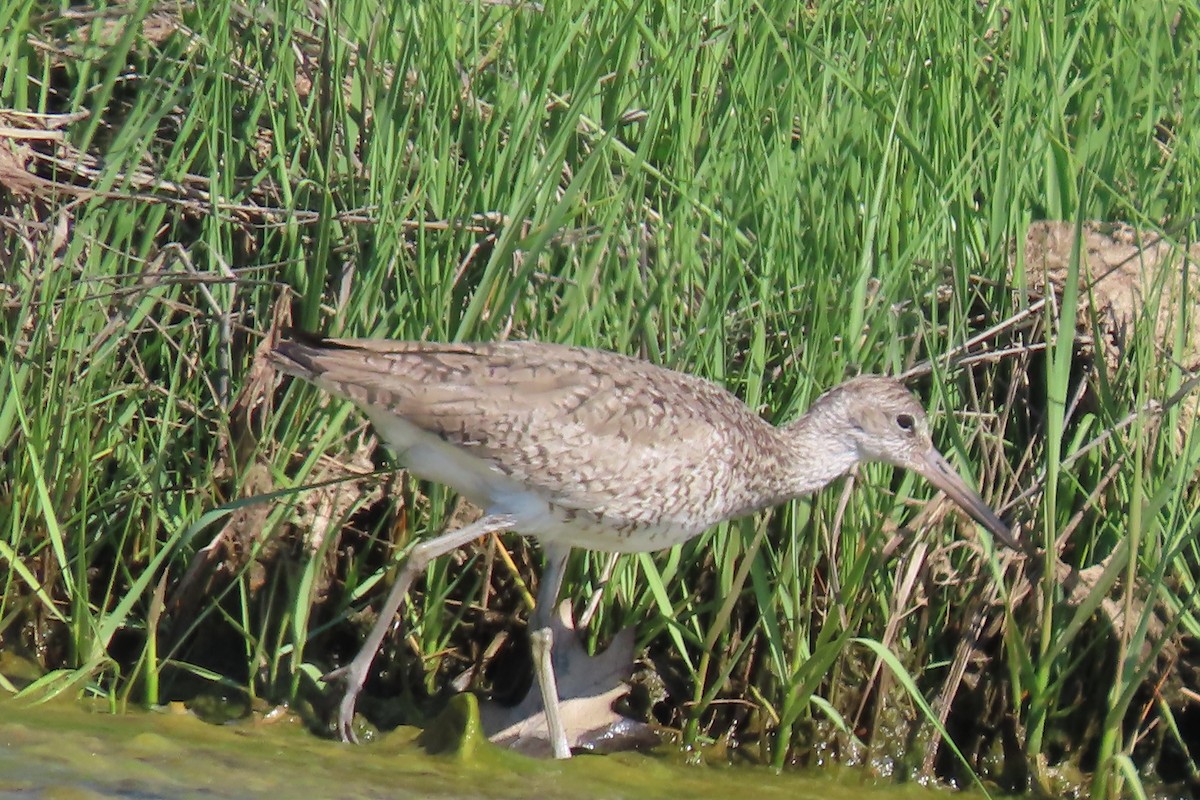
(541,639)
(354,675)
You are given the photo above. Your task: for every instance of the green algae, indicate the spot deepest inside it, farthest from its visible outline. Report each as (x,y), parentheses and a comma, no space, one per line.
(62,749)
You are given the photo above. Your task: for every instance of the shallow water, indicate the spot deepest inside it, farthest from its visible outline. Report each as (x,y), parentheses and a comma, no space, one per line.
(61,750)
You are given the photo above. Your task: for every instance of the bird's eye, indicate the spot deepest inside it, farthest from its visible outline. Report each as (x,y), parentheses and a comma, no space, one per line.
(906,422)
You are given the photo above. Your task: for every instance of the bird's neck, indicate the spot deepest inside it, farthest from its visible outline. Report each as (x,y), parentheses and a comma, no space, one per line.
(815,455)
(786,462)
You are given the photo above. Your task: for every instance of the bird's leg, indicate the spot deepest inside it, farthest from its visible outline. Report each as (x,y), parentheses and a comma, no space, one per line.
(541,640)
(354,675)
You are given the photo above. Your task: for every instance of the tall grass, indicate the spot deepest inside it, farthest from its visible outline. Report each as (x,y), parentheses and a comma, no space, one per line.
(772,196)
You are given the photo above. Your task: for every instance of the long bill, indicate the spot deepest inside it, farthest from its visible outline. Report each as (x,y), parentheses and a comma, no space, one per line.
(937,470)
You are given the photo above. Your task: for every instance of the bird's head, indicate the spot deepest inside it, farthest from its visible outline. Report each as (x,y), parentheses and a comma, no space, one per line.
(881,420)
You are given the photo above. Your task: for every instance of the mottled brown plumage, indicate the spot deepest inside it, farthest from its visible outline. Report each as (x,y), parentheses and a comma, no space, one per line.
(588,448)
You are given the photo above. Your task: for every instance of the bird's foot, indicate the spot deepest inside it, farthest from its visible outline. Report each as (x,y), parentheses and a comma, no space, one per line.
(586,687)
(345,680)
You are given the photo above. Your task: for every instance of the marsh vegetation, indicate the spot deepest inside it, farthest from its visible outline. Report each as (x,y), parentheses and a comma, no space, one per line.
(774,196)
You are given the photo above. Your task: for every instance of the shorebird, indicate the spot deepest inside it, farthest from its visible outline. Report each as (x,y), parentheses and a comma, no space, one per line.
(588,448)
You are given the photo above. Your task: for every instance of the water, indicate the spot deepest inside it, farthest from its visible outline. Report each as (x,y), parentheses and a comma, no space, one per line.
(61,750)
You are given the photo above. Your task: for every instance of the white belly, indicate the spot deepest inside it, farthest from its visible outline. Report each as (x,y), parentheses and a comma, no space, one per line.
(429,457)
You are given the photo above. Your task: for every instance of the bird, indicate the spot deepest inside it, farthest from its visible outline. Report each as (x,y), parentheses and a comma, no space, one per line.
(587,448)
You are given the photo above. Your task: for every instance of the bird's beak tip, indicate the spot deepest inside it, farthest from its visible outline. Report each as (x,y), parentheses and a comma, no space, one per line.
(935,469)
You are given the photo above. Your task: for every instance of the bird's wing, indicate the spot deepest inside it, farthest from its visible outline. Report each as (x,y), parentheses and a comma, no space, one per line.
(587,427)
